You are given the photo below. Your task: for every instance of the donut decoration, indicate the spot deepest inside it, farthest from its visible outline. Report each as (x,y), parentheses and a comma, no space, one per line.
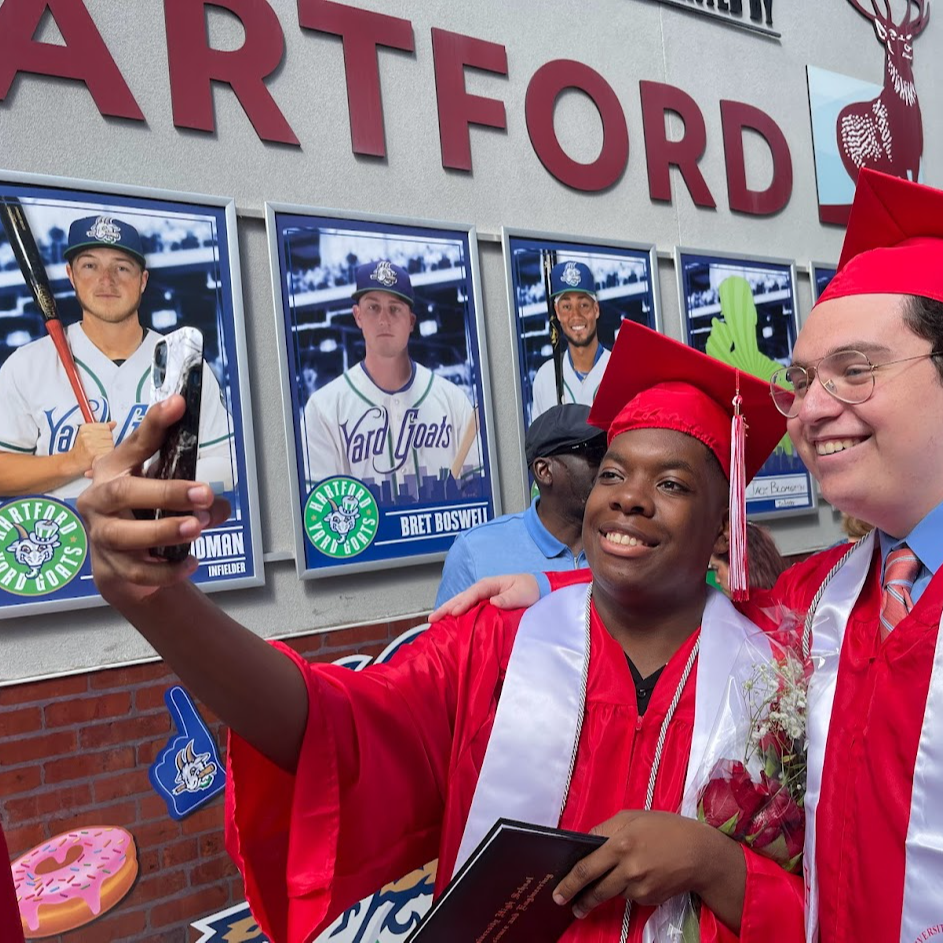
(72,879)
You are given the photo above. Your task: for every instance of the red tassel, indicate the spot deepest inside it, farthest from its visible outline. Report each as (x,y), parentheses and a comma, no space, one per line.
(739,574)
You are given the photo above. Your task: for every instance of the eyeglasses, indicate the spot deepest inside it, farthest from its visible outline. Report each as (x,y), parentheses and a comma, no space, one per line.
(594,450)
(848,375)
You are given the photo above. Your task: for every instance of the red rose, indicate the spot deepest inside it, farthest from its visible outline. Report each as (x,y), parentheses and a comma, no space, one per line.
(780,816)
(750,796)
(730,799)
(718,807)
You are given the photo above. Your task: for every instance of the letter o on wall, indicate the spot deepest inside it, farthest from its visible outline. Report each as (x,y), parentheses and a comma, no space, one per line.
(542,93)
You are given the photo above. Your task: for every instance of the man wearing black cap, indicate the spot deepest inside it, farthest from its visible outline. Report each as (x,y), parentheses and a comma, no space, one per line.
(389,421)
(45,447)
(563,453)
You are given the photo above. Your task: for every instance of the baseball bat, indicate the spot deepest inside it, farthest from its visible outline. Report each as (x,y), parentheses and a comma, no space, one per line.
(557,342)
(468,436)
(34,272)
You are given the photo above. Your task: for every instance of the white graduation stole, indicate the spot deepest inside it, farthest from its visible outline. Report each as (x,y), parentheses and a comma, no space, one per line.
(923,908)
(532,748)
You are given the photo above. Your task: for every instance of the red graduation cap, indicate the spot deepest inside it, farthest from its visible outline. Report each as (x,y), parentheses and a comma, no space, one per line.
(654,382)
(894,241)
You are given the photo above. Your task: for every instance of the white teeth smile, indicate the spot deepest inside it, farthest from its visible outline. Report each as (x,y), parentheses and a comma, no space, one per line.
(625,540)
(835,445)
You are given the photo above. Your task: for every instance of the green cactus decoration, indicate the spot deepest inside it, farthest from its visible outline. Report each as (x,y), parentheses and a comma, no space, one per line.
(733,339)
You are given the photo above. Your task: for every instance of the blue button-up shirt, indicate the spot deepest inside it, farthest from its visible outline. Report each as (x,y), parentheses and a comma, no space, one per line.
(926,541)
(512,543)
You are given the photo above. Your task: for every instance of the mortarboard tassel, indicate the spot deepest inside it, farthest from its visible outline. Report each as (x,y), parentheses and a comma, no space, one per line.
(739,574)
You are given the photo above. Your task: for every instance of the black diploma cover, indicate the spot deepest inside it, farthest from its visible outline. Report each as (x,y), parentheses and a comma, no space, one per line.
(504,892)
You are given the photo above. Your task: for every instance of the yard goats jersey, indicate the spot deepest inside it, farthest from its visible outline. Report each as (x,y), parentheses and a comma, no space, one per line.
(352,427)
(575,390)
(39,414)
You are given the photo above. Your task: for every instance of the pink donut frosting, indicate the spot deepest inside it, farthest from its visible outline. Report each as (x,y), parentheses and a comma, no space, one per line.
(85,859)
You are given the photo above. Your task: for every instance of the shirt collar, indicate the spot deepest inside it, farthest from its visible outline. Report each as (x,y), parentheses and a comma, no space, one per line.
(925,540)
(600,350)
(547,544)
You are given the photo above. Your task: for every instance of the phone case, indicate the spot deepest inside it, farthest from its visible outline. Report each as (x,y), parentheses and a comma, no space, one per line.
(178,368)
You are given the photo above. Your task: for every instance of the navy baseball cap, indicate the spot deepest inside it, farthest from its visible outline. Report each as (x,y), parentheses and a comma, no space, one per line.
(571,276)
(92,232)
(384,275)
(560,429)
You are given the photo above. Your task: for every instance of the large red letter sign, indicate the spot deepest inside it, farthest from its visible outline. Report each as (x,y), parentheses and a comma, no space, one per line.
(451,53)
(362,31)
(84,57)
(660,153)
(194,65)
(735,116)
(542,93)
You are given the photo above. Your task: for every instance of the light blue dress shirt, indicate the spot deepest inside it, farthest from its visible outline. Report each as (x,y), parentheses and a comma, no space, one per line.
(512,543)
(926,541)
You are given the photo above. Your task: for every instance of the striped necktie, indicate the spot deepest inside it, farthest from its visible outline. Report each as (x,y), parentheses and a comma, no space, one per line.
(900,572)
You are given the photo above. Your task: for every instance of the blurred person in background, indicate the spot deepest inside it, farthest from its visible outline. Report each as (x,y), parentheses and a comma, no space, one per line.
(765,562)
(563,453)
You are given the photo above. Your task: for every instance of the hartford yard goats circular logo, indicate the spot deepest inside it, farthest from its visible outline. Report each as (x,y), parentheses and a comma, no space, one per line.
(42,546)
(341,517)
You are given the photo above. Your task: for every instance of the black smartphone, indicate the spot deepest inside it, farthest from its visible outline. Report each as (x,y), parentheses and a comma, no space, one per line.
(178,368)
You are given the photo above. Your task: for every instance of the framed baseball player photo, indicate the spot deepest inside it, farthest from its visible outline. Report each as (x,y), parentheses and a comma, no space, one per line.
(385,385)
(568,296)
(743,311)
(820,275)
(93,280)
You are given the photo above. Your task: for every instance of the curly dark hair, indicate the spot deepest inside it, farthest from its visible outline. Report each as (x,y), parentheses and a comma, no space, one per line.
(764,560)
(924,316)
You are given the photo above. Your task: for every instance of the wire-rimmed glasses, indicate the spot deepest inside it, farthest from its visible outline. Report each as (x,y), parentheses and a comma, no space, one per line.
(848,375)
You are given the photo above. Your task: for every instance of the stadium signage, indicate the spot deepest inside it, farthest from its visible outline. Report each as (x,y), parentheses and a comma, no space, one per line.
(756,18)
(194,66)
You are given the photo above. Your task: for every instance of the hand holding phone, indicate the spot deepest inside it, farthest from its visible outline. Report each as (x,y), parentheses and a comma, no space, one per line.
(178,368)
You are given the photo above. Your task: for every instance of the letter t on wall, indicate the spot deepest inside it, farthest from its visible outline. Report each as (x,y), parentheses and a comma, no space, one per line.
(451,53)
(362,32)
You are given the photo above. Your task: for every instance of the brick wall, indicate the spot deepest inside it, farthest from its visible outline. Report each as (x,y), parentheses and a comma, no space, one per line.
(75,752)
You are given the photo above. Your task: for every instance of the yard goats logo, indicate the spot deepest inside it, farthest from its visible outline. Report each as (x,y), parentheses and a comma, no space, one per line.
(384,274)
(42,546)
(195,771)
(105,230)
(571,275)
(341,517)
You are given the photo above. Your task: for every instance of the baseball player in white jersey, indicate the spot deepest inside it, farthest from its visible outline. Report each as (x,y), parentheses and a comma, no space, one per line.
(573,290)
(45,445)
(389,419)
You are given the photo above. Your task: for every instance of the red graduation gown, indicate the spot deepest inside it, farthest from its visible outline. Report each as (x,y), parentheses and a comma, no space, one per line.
(867,778)
(11,927)
(390,761)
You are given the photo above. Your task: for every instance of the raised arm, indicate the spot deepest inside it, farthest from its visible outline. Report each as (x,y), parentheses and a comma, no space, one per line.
(253,688)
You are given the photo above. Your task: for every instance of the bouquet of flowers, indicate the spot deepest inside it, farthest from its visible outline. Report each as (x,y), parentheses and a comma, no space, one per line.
(755,760)
(765,812)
